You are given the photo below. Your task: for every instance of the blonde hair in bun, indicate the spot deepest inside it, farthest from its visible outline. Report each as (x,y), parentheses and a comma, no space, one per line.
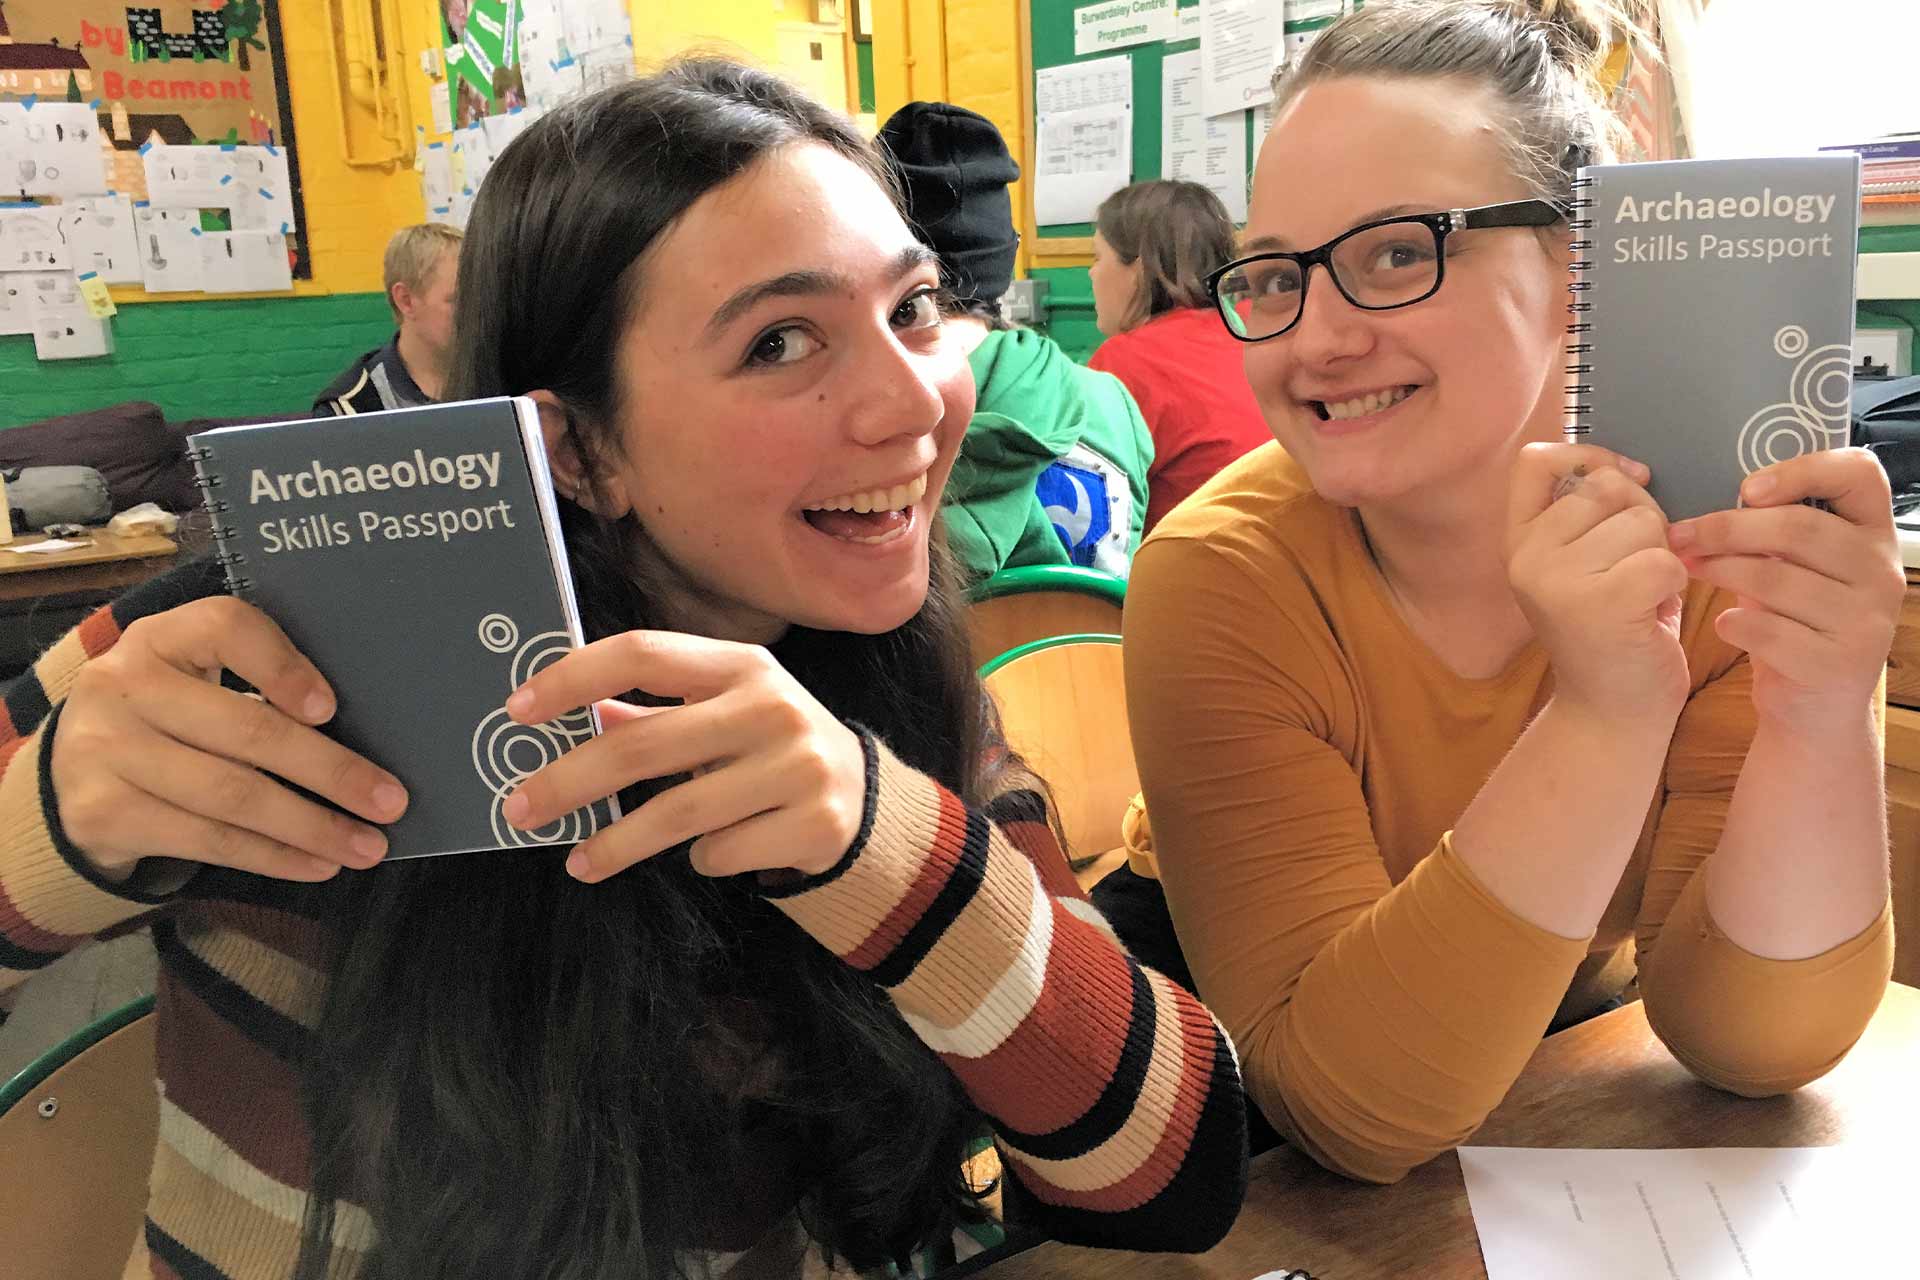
(1540,59)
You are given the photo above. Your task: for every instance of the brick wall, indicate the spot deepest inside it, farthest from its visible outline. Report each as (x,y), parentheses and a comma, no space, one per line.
(226,358)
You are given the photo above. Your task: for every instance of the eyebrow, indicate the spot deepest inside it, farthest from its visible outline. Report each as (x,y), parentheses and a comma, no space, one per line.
(1280,244)
(807,284)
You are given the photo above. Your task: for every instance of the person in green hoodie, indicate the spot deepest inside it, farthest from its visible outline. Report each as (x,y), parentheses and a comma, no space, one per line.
(1053,468)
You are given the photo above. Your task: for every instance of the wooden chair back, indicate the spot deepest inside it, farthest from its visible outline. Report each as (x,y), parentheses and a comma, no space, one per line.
(77,1134)
(1063,706)
(1018,606)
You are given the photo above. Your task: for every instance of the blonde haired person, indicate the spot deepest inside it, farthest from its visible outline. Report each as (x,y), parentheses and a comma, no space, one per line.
(421,271)
(1444,729)
(1154,245)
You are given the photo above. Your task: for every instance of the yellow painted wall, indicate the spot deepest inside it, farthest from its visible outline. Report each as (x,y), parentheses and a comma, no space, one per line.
(662,28)
(967,52)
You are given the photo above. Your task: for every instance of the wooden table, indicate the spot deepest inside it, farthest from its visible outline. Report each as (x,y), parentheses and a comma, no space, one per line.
(37,607)
(1605,1083)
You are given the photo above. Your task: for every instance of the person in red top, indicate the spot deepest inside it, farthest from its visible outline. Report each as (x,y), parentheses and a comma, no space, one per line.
(1154,245)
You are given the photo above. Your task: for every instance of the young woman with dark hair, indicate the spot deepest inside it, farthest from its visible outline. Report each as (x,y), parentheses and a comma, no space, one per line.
(751,1029)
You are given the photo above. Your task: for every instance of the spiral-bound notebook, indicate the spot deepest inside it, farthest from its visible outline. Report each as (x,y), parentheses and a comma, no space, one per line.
(415,557)
(1712,325)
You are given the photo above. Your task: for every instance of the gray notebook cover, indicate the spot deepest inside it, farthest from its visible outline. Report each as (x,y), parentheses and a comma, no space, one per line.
(1713,317)
(415,557)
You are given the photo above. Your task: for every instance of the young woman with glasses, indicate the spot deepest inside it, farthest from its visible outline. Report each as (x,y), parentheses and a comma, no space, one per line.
(1445,731)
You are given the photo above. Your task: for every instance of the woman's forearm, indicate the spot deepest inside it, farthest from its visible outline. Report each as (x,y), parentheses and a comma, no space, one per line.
(1802,861)
(1551,831)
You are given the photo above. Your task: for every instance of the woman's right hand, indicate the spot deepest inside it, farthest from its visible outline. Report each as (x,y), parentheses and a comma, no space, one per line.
(153,758)
(1588,560)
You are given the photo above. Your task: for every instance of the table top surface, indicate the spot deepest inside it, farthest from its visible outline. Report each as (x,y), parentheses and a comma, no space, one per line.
(1604,1083)
(87,579)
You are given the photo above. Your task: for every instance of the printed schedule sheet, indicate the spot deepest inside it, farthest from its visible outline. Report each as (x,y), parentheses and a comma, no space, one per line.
(1731,1213)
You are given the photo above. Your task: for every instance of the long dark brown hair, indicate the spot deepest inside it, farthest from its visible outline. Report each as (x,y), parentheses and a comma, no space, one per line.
(522,1076)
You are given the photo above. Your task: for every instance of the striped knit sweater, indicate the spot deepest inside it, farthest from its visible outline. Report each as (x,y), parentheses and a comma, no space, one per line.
(1115,1096)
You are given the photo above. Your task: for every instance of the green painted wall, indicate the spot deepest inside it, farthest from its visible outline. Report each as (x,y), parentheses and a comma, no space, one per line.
(201,359)
(1069,310)
(863,66)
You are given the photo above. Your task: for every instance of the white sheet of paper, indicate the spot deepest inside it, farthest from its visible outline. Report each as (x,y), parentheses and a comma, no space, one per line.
(169,251)
(50,149)
(1691,1214)
(1084,157)
(45,547)
(1307,20)
(1104,82)
(1120,24)
(1262,126)
(260,194)
(244,262)
(63,328)
(1211,152)
(16,302)
(99,232)
(185,177)
(604,67)
(502,130)
(436,176)
(1241,43)
(30,240)
(1186,23)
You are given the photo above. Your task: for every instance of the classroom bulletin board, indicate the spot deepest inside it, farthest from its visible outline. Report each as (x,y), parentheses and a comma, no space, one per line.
(1059,35)
(160,72)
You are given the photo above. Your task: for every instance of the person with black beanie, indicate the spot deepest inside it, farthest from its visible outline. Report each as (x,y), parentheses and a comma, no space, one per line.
(1053,469)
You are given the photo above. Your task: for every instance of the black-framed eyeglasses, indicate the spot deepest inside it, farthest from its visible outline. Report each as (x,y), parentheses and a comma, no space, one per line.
(1377,266)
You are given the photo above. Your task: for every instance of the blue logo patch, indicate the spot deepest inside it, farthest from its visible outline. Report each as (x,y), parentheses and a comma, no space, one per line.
(1077,503)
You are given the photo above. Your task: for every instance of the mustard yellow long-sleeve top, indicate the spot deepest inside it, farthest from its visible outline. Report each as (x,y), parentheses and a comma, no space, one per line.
(1304,757)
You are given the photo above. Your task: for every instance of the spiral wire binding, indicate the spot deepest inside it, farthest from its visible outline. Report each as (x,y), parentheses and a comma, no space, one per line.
(237,583)
(1579,406)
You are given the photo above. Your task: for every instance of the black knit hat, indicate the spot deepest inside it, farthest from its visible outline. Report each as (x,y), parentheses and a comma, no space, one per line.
(955,168)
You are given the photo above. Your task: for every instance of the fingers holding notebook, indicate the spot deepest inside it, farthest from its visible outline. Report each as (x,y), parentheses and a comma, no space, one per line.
(153,758)
(1819,590)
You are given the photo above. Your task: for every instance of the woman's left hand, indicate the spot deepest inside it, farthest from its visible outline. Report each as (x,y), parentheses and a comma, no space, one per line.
(777,781)
(1818,591)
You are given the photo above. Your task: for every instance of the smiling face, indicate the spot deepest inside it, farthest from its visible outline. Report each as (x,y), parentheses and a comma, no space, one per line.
(1377,405)
(790,404)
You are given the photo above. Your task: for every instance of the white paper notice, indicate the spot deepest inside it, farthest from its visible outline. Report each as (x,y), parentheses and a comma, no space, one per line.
(436,179)
(1104,82)
(1083,132)
(502,130)
(16,302)
(30,239)
(1241,43)
(1700,1214)
(63,328)
(1085,156)
(186,176)
(1118,24)
(168,248)
(260,194)
(1187,23)
(244,262)
(50,149)
(99,232)
(1307,19)
(1194,148)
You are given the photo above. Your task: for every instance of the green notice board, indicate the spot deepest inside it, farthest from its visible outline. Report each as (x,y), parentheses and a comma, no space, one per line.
(1052,45)
(1051,42)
